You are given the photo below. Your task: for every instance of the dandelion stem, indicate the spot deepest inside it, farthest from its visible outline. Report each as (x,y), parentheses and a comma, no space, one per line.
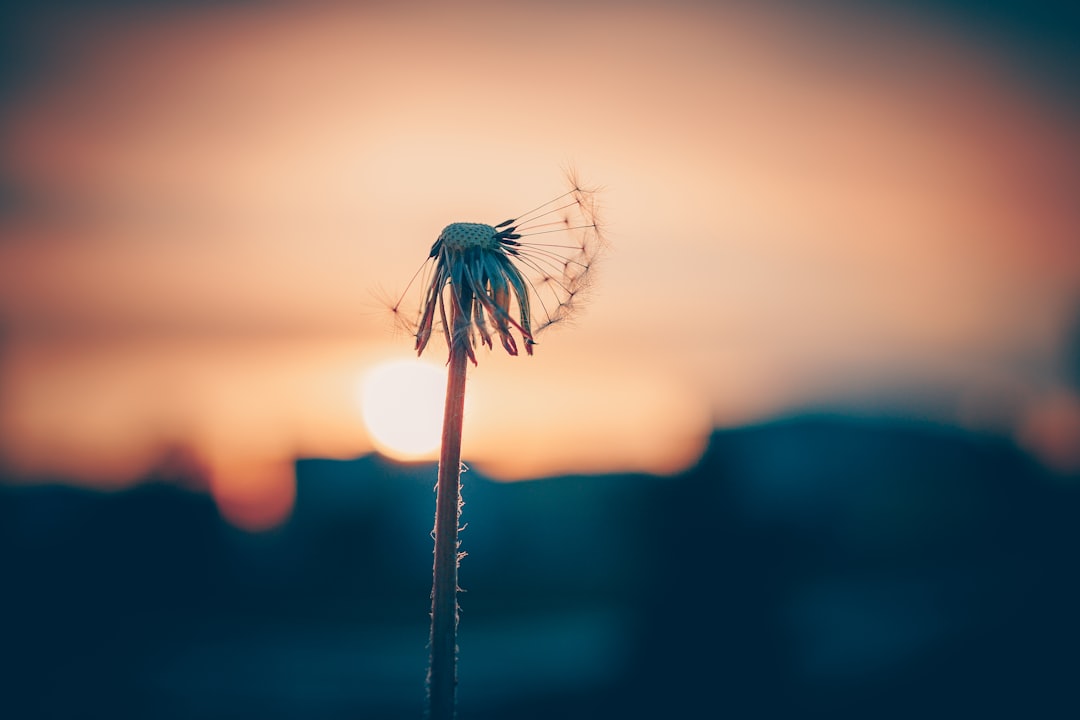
(442,675)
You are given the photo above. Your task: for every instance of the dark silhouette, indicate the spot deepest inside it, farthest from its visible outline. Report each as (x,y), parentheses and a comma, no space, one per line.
(816,567)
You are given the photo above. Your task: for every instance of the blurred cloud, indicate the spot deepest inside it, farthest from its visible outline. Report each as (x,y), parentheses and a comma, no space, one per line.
(809,205)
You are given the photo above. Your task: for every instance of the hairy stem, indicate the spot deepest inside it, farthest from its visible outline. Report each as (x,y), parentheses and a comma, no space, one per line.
(442,675)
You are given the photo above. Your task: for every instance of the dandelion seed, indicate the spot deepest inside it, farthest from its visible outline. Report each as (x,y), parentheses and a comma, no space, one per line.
(517,277)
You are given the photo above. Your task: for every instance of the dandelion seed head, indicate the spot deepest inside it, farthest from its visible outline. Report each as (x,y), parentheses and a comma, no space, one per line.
(510,280)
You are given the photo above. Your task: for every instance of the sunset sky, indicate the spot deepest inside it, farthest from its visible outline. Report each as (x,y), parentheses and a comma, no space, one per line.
(809,206)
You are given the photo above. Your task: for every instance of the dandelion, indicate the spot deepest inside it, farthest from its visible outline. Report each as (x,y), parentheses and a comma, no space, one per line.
(510,280)
(522,275)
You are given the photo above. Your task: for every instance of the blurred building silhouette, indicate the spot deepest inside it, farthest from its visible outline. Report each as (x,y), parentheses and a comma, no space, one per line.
(817,567)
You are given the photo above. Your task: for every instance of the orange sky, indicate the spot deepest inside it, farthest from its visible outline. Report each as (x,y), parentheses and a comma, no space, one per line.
(806,209)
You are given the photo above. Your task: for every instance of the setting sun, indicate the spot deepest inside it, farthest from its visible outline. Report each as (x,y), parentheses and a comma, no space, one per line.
(401,402)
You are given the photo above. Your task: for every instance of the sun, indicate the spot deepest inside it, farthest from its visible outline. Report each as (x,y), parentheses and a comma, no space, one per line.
(401,402)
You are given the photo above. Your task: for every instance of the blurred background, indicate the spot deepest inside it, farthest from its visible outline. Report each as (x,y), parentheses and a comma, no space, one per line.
(811,449)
